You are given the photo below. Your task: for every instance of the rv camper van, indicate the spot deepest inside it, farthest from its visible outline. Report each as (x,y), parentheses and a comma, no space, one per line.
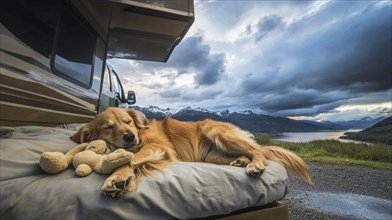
(53,54)
(53,71)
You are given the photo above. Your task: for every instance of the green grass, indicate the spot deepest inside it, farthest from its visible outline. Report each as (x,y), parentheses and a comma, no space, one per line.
(336,152)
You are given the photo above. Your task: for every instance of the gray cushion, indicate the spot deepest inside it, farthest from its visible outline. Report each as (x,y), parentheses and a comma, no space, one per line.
(184,190)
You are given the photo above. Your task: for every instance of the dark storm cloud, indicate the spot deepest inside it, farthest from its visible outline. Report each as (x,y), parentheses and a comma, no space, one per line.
(194,55)
(309,111)
(212,71)
(357,55)
(301,100)
(348,59)
(265,81)
(152,85)
(200,95)
(173,93)
(188,94)
(267,24)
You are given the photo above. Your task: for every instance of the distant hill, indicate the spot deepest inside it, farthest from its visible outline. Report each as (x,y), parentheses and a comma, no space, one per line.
(362,123)
(264,123)
(246,120)
(329,124)
(378,133)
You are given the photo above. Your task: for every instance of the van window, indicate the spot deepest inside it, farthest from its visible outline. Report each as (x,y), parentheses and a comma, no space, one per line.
(106,81)
(117,89)
(74,50)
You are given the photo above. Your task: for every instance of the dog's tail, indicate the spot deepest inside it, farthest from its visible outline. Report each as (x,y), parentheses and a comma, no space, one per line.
(294,164)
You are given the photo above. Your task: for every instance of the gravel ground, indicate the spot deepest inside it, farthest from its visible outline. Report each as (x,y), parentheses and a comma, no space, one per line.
(342,192)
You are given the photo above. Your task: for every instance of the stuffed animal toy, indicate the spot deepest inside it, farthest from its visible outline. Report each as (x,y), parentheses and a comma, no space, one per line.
(86,157)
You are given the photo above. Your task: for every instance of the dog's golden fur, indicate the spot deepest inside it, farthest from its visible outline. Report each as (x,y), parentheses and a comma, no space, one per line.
(157,143)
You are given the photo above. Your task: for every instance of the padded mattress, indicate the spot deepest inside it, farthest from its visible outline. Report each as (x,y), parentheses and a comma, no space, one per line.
(184,190)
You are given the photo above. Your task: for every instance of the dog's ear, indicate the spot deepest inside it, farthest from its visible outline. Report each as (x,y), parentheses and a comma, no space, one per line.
(140,119)
(86,133)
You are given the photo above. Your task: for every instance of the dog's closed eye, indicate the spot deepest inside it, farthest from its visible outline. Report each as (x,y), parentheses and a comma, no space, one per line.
(108,127)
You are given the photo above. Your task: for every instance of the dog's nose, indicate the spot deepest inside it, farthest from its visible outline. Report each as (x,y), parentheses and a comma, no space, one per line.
(129,137)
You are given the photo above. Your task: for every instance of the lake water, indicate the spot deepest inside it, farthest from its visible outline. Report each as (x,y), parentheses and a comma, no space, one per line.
(317,135)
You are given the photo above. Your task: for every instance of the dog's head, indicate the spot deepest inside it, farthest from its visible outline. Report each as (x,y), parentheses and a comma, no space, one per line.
(118,126)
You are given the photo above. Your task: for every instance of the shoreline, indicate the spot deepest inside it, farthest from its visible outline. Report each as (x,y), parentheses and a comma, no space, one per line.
(308,136)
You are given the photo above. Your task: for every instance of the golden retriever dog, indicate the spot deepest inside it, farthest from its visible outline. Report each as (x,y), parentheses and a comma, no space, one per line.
(157,143)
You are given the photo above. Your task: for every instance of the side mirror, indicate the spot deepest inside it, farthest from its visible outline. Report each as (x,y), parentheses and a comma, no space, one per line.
(131,98)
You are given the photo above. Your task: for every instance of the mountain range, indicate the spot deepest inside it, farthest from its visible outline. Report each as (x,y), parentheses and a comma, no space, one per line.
(253,122)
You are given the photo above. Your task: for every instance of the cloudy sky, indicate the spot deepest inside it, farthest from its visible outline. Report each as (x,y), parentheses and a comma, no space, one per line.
(320,60)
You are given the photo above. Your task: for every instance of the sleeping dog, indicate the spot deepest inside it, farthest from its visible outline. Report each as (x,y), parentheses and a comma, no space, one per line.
(157,143)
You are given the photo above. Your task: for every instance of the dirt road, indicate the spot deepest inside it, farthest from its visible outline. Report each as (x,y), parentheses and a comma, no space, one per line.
(342,192)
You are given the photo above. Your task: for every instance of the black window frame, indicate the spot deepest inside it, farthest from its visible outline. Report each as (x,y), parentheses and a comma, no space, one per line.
(82,21)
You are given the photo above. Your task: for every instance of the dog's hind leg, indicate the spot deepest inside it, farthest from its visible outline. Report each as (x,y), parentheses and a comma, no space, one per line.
(230,141)
(217,158)
(240,162)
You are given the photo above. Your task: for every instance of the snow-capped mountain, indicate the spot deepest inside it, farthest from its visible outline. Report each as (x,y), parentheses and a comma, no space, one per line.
(154,112)
(251,121)
(156,109)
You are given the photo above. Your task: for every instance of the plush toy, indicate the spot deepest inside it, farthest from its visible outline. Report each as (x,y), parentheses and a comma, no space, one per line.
(85,158)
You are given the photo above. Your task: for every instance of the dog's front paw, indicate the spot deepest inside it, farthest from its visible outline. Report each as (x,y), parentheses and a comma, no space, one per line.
(116,185)
(255,169)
